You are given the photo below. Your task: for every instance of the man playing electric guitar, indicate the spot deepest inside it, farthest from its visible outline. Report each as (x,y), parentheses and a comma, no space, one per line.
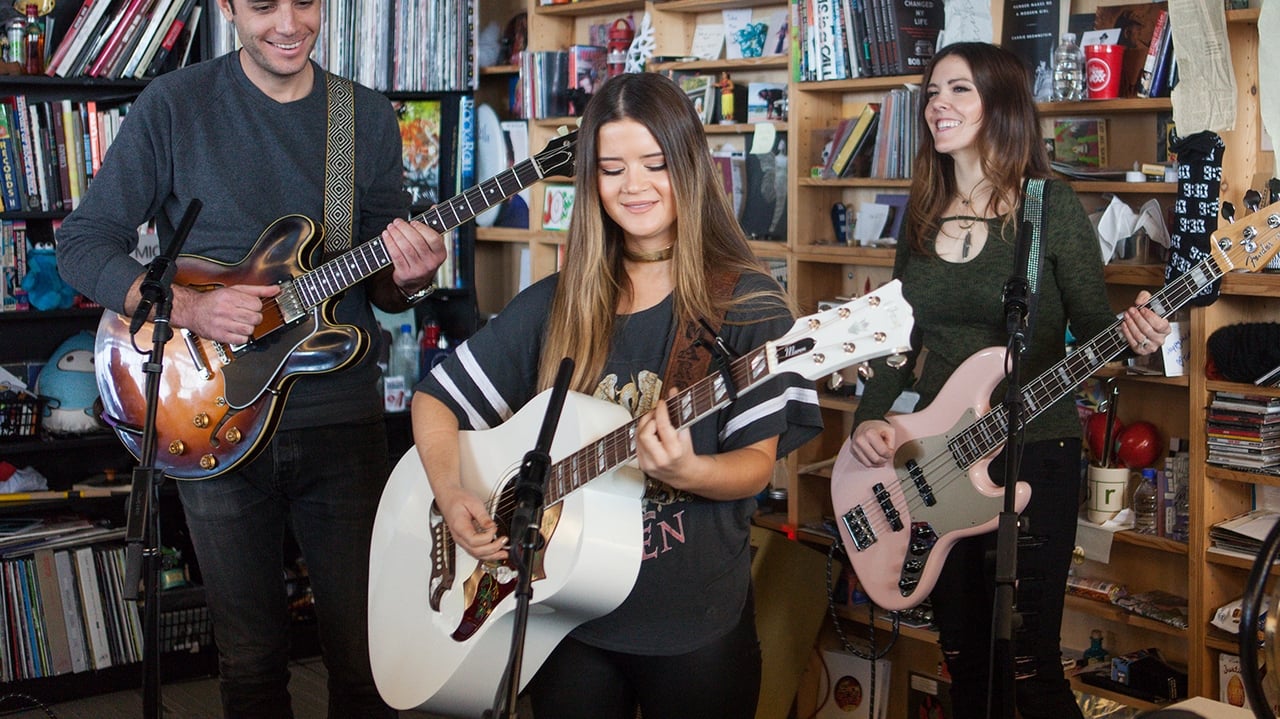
(246,135)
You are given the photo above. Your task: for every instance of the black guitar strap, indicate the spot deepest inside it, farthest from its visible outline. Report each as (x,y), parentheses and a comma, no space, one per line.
(339,166)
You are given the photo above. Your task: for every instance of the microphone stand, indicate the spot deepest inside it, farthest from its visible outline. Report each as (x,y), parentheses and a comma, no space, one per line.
(1005,616)
(142,536)
(526,522)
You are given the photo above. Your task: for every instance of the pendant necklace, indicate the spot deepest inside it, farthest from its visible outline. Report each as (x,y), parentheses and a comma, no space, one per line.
(967,241)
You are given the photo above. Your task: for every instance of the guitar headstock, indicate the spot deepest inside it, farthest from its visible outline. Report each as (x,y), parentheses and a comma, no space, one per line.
(875,325)
(557,158)
(1249,243)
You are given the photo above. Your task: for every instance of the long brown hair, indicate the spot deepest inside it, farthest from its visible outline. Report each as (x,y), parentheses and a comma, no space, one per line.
(1008,141)
(708,237)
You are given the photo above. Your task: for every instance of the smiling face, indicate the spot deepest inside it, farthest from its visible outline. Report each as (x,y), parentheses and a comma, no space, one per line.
(954,108)
(635,186)
(277,35)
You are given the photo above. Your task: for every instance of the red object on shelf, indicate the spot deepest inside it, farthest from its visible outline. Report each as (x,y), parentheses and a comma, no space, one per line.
(1096,432)
(1138,445)
(620,36)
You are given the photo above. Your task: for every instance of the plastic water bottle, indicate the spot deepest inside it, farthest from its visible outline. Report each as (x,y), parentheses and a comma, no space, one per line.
(402,370)
(1144,504)
(432,347)
(1068,69)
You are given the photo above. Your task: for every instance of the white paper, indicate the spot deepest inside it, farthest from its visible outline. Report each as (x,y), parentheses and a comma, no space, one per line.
(734,20)
(966,21)
(763,137)
(872,217)
(1205,96)
(708,38)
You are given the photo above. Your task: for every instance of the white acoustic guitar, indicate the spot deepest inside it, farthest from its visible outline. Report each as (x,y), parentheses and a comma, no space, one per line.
(898,521)
(440,623)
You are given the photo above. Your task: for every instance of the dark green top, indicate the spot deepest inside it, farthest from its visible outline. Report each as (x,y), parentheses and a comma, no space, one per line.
(959,310)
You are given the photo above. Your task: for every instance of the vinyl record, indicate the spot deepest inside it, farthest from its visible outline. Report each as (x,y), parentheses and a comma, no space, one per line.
(491,155)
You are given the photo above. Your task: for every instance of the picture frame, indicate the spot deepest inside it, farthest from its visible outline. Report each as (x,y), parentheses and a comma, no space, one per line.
(557,206)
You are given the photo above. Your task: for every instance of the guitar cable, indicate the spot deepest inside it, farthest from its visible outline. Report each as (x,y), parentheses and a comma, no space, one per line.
(872,655)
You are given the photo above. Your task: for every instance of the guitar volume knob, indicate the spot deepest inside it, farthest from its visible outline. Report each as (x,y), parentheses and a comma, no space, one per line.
(177,447)
(208,461)
(201,420)
(233,435)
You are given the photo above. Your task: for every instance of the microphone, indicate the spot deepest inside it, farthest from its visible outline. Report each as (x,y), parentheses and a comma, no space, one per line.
(533,471)
(159,272)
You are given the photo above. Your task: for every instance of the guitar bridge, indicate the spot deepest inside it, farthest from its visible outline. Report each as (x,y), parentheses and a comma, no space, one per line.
(442,558)
(289,304)
(855,521)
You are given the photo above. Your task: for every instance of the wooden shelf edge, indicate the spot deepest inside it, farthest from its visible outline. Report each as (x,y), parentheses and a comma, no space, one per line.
(588,7)
(696,6)
(744,64)
(842,254)
(1105,107)
(1119,615)
(859,84)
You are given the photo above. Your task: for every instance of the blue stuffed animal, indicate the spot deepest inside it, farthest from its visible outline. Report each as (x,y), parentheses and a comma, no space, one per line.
(68,382)
(45,288)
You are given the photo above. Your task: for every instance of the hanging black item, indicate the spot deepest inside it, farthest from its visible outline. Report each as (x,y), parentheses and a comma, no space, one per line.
(1196,208)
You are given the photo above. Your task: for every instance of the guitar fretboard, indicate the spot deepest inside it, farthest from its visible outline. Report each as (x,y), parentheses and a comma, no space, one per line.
(693,404)
(986,434)
(346,270)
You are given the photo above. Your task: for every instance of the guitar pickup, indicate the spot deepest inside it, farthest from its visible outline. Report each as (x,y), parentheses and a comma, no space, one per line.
(886,505)
(855,521)
(923,488)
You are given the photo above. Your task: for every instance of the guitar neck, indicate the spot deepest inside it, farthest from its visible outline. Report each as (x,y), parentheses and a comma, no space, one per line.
(988,433)
(346,270)
(685,409)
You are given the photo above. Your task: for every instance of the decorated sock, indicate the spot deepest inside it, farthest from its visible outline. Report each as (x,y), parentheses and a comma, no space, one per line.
(1196,208)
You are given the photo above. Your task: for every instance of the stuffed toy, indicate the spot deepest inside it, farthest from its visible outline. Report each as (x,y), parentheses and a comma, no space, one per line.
(44,286)
(68,383)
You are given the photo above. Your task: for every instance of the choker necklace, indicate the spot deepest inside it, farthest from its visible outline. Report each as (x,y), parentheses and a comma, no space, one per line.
(658,256)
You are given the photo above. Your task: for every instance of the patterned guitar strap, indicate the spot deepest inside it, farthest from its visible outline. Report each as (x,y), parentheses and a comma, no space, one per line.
(691,355)
(339,166)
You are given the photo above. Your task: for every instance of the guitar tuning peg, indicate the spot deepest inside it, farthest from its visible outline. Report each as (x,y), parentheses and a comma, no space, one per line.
(1252,200)
(562,131)
(896,361)
(1228,212)
(865,371)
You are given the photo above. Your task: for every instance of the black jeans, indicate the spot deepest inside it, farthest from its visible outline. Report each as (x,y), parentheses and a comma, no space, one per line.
(964,596)
(324,483)
(719,680)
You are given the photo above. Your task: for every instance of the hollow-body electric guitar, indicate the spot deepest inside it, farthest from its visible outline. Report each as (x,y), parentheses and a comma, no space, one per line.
(897,522)
(440,622)
(220,403)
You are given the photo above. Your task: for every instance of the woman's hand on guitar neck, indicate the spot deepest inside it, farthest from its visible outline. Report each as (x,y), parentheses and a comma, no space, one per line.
(227,314)
(873,442)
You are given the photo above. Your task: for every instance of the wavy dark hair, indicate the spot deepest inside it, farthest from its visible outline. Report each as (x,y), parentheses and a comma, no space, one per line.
(1008,142)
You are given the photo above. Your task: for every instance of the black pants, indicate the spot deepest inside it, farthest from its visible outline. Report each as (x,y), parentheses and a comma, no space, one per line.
(963,598)
(721,679)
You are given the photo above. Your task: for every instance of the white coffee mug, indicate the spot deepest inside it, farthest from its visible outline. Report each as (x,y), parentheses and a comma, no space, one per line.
(1107,489)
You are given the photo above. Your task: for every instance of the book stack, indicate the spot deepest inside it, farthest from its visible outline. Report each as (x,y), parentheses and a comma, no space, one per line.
(1244,431)
(129,39)
(851,144)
